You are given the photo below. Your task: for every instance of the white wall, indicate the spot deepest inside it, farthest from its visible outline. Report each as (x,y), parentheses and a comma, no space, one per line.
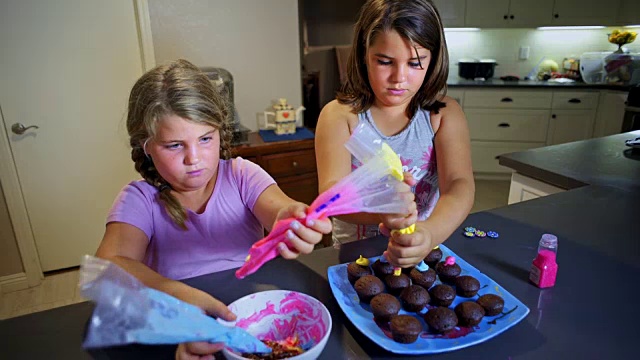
(256,40)
(503,45)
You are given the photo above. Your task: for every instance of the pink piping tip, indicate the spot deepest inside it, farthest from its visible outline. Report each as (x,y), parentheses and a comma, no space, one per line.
(450,260)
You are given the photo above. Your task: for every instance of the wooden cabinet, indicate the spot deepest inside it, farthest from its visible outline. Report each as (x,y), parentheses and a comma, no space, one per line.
(585,12)
(508,13)
(451,12)
(572,116)
(628,12)
(291,163)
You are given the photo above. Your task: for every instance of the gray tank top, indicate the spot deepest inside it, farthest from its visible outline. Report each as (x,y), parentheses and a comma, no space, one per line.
(415,147)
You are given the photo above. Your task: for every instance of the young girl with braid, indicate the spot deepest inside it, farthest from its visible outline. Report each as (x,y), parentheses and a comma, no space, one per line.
(196,211)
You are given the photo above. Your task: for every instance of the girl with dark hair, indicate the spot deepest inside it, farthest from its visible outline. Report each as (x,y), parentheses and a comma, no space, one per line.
(396,83)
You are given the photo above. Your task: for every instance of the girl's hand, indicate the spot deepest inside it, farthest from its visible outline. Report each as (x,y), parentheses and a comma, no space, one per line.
(401,221)
(406,250)
(302,236)
(197,350)
(211,306)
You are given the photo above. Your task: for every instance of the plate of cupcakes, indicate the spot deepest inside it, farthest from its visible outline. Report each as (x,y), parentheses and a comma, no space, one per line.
(440,305)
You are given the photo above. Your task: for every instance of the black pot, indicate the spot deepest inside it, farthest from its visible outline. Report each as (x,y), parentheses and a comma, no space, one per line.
(476,69)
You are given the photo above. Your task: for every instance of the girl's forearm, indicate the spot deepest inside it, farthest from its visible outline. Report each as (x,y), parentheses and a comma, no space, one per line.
(451,210)
(149,277)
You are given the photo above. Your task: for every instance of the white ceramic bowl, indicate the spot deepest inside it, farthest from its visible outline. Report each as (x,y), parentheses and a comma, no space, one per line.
(278,314)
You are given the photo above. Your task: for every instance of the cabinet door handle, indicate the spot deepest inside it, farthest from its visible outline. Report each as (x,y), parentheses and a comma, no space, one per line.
(294,164)
(507,99)
(553,116)
(505,17)
(556,16)
(504,125)
(575,101)
(511,17)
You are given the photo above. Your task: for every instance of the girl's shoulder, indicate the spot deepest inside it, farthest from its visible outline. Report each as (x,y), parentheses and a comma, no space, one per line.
(452,111)
(335,112)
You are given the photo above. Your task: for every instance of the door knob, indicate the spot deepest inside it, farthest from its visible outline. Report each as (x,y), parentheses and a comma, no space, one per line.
(19,128)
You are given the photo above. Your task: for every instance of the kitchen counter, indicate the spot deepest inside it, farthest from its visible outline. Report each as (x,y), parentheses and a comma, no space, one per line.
(526,84)
(593,301)
(601,161)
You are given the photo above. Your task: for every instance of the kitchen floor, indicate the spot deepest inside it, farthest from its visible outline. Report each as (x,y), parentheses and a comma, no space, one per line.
(60,288)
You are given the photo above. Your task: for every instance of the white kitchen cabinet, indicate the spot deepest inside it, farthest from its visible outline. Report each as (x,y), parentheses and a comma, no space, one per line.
(508,13)
(628,13)
(457,95)
(451,12)
(504,121)
(572,116)
(610,113)
(524,188)
(585,12)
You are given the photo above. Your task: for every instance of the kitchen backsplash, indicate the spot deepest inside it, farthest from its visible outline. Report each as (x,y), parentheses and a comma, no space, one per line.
(503,45)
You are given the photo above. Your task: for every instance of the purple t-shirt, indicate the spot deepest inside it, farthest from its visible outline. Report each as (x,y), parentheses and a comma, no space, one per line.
(218,239)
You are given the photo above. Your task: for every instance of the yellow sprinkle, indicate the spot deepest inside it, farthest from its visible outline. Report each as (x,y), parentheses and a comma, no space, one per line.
(397,271)
(437,247)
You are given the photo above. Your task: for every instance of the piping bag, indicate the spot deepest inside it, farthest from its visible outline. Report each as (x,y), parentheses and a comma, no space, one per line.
(128,312)
(369,188)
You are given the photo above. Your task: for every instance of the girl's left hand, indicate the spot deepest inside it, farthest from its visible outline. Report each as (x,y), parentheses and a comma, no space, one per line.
(302,236)
(406,250)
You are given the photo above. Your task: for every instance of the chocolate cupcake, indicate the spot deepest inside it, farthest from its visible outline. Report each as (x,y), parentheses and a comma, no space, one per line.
(448,270)
(382,269)
(367,287)
(491,303)
(384,306)
(358,269)
(405,328)
(441,319)
(414,298)
(467,286)
(396,283)
(469,313)
(423,276)
(442,295)
(433,257)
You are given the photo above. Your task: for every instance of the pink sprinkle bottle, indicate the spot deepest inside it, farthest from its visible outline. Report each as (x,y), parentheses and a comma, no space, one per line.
(544,267)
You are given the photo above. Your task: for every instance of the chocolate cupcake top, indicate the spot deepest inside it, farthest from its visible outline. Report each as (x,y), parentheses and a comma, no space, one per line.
(369,285)
(382,269)
(423,278)
(405,324)
(448,267)
(492,304)
(469,313)
(443,292)
(434,256)
(385,304)
(397,281)
(441,319)
(357,271)
(415,295)
(467,283)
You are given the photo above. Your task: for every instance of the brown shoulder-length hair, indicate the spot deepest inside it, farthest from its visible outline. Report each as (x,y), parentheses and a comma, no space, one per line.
(419,22)
(178,88)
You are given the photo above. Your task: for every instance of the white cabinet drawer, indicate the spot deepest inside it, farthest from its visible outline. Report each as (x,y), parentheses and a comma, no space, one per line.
(575,100)
(484,154)
(508,125)
(507,99)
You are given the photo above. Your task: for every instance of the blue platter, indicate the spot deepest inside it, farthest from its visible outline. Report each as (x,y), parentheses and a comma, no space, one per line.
(362,318)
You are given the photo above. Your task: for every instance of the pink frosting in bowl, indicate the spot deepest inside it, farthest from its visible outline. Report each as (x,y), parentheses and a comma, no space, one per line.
(283,314)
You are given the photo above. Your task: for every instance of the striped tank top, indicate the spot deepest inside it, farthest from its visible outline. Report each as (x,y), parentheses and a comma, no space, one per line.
(415,147)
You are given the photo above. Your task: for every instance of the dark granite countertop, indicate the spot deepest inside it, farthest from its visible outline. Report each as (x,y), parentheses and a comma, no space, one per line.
(526,84)
(603,161)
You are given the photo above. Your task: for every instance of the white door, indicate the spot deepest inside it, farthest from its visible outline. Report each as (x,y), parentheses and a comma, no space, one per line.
(67,67)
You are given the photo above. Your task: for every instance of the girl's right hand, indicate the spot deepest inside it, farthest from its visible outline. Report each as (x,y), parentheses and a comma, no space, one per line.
(400,221)
(211,306)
